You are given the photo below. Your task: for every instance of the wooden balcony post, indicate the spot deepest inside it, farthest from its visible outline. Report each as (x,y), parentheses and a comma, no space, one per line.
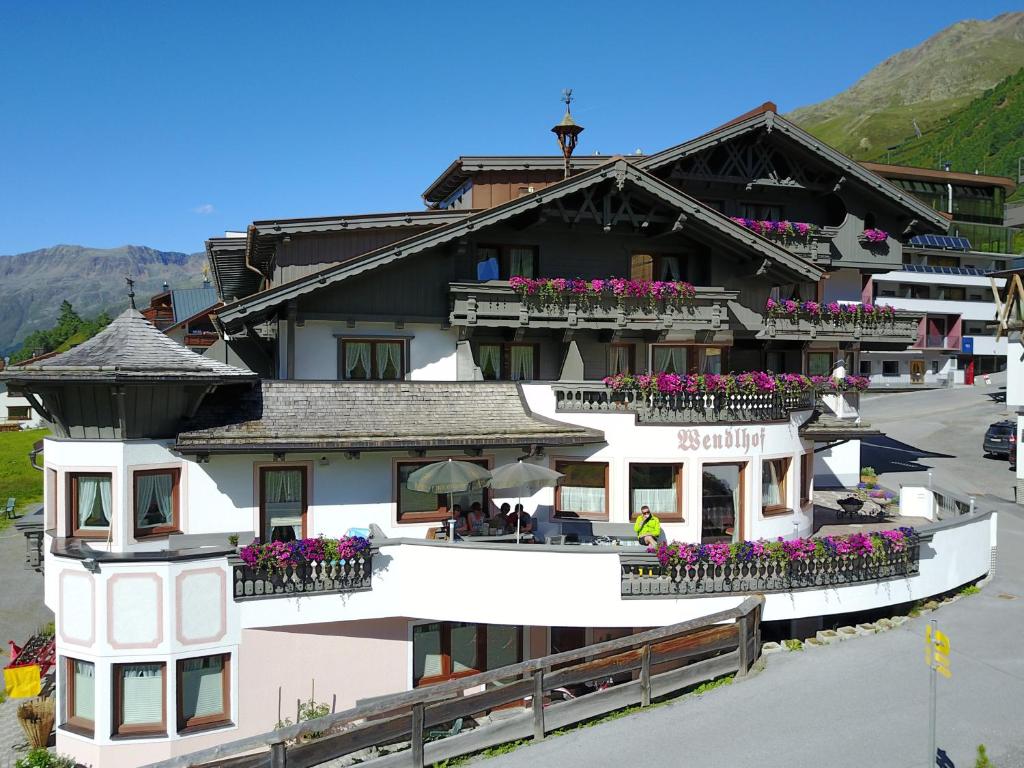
(416,736)
(538,705)
(645,676)
(744,665)
(278,755)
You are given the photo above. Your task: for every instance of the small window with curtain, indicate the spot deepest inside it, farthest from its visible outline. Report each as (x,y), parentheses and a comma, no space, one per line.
(621,359)
(522,261)
(80,696)
(710,359)
(372,359)
(819,363)
(669,358)
(204,692)
(773,486)
(658,486)
(501,262)
(647,266)
(583,491)
(156,502)
(446,650)
(523,363)
(139,693)
(282,503)
(806,477)
(90,504)
(490,361)
(509,362)
(774,361)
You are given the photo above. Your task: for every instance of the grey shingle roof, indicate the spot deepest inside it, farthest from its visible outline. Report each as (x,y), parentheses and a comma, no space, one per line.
(189,302)
(348,415)
(130,348)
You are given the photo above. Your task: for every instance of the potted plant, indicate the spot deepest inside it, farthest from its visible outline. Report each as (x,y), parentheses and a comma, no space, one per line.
(233,540)
(868,475)
(850,505)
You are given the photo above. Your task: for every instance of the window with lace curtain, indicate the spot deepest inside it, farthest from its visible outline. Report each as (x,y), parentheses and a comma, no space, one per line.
(282,503)
(658,486)
(79,696)
(583,491)
(494,262)
(621,359)
(155,503)
(445,650)
(508,362)
(773,486)
(140,691)
(372,359)
(204,687)
(90,504)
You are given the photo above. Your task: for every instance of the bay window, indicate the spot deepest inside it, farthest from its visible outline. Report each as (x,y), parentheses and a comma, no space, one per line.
(80,696)
(773,486)
(203,691)
(139,693)
(583,491)
(90,504)
(445,650)
(658,486)
(156,502)
(372,359)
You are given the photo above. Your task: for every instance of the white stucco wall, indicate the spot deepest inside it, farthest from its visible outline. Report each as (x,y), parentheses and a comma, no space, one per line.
(838,466)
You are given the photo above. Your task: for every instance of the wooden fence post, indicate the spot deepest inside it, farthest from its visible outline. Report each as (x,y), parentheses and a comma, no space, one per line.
(278,755)
(416,736)
(744,624)
(538,705)
(645,676)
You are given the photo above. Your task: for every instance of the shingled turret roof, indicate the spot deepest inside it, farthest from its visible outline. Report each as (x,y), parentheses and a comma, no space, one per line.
(129,349)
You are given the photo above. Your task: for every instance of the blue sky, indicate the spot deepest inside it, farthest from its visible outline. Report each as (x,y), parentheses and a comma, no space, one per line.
(162,123)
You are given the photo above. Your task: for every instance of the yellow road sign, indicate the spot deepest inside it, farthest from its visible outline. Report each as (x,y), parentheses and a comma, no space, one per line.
(937,651)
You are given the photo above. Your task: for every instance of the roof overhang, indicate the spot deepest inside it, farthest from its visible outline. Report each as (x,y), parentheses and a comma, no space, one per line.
(771,122)
(620,170)
(939,176)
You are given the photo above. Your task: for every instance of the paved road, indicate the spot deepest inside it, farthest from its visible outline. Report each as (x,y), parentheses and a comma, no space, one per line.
(863,702)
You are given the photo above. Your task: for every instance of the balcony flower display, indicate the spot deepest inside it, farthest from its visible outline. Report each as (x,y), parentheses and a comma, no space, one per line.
(783,228)
(878,545)
(874,235)
(279,555)
(749,383)
(560,288)
(832,311)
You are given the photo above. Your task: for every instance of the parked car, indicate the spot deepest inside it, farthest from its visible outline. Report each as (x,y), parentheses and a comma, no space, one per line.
(1000,439)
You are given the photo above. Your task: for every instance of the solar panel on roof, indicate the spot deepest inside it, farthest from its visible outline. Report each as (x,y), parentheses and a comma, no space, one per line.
(945,242)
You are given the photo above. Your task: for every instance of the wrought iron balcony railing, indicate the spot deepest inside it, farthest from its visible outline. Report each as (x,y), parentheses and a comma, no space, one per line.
(679,408)
(495,304)
(643,576)
(308,578)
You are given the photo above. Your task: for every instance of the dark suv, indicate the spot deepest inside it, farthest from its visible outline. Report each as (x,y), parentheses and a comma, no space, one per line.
(1000,439)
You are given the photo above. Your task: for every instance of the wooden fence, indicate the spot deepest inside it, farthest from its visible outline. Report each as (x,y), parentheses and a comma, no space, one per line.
(651,665)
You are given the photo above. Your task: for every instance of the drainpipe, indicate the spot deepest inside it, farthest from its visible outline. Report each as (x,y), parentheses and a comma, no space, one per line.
(949,204)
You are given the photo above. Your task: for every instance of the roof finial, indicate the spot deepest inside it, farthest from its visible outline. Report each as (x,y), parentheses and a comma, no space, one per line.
(567,131)
(131,290)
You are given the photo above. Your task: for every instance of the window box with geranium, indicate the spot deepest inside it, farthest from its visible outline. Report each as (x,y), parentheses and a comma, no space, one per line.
(561,289)
(279,568)
(831,312)
(873,236)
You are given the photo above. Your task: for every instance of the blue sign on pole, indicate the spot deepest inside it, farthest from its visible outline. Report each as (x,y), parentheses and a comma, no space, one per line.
(967,345)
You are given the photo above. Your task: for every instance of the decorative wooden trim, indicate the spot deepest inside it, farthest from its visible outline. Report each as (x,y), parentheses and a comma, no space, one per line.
(200,723)
(144,729)
(441,513)
(176,479)
(571,515)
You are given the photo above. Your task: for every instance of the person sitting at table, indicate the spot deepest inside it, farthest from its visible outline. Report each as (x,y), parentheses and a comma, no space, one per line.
(521,517)
(475,519)
(461,524)
(647,527)
(501,516)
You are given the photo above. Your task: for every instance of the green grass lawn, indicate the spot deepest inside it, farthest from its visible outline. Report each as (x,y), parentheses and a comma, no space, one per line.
(17,478)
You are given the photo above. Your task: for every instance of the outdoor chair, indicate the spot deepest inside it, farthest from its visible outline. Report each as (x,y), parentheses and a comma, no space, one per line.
(435,734)
(10,508)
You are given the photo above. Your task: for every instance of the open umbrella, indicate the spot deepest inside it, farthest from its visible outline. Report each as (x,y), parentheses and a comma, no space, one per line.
(526,477)
(447,477)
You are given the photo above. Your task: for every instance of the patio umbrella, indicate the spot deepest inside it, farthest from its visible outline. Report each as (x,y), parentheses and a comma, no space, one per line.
(447,477)
(526,477)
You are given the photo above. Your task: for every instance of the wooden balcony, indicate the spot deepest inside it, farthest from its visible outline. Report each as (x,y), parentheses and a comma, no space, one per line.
(816,247)
(495,304)
(307,579)
(643,576)
(901,331)
(679,408)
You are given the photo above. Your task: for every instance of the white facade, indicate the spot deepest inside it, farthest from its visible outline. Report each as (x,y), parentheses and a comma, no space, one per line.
(18,410)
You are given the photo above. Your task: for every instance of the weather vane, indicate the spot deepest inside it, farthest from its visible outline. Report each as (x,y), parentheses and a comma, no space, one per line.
(131,290)
(567,97)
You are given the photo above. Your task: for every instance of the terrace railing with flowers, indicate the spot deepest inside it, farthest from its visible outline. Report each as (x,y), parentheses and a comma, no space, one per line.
(305,566)
(679,570)
(600,304)
(792,319)
(668,398)
(804,239)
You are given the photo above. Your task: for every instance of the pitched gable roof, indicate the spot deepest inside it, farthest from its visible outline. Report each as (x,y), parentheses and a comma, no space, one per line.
(765,118)
(618,169)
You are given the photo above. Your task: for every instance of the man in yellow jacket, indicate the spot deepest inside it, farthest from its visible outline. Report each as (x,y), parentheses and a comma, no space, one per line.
(647,527)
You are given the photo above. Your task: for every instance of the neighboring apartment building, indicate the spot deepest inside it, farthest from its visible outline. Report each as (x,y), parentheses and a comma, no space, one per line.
(377,344)
(945,278)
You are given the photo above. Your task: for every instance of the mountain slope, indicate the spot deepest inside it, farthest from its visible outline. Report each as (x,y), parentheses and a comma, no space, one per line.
(924,83)
(34,284)
(987,135)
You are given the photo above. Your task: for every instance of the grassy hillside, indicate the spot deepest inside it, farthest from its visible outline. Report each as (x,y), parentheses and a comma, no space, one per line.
(925,84)
(987,135)
(17,478)
(33,285)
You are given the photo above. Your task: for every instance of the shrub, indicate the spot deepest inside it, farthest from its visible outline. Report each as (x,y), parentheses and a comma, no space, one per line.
(41,758)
